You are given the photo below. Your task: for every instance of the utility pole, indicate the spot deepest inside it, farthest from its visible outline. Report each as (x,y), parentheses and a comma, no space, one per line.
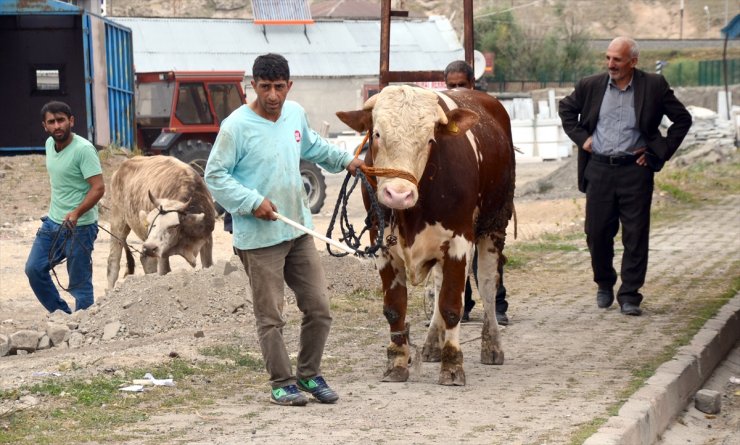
(727,17)
(680,32)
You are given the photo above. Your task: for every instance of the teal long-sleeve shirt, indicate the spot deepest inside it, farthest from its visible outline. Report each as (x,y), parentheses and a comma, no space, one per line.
(254,158)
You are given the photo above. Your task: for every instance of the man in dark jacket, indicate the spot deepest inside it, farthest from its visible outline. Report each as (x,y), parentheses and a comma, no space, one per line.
(613,118)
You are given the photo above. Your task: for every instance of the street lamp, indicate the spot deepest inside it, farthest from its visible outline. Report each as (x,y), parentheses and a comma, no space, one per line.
(706,11)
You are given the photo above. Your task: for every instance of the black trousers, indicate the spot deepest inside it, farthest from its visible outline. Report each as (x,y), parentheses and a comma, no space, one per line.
(619,194)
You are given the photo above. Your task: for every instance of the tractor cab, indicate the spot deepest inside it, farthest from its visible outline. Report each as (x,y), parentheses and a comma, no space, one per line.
(178,113)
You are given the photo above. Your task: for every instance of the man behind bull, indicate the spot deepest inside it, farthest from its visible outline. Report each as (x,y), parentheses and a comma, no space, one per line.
(253,171)
(459,74)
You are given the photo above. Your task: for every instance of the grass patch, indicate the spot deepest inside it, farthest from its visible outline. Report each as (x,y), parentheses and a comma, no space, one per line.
(700,181)
(235,355)
(88,410)
(519,254)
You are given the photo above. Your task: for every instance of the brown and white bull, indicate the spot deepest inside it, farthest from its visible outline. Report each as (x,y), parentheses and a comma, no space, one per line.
(167,205)
(447,161)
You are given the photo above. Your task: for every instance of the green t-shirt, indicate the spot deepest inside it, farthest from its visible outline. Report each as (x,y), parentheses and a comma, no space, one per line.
(68,173)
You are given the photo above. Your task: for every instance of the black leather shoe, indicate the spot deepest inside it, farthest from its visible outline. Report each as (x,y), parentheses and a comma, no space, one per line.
(465,317)
(502,319)
(604,297)
(631,309)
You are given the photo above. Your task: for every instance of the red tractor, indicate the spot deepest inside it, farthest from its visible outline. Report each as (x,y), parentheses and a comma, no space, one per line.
(178,114)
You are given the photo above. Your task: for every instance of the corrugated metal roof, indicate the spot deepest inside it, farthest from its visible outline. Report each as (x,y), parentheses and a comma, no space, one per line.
(328,48)
(14,7)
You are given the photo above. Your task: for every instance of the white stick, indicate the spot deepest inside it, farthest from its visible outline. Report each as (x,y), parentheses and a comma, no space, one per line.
(315,234)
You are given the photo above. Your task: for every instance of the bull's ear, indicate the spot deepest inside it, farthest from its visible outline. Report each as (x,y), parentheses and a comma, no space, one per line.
(194,218)
(459,121)
(143,220)
(359,120)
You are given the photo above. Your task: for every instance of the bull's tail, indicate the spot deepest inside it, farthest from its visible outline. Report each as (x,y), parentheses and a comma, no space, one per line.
(513,213)
(129,259)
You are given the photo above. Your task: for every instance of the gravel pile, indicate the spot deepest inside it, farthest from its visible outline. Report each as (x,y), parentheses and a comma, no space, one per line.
(146,305)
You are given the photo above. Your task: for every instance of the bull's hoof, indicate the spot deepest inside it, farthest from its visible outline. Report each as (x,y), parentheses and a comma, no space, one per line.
(431,354)
(495,357)
(396,374)
(453,376)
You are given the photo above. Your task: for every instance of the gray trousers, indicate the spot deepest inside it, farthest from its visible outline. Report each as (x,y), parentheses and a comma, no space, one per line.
(297,264)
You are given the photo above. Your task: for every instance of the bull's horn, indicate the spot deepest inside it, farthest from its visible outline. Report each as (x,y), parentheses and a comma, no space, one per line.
(154,200)
(370,103)
(441,116)
(186,204)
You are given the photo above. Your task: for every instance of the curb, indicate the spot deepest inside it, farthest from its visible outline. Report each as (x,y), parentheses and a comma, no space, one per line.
(650,410)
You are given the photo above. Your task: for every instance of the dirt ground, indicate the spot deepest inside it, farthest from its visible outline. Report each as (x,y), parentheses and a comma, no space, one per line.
(566,361)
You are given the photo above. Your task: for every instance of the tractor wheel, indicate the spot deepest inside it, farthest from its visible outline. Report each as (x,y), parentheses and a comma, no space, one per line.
(315,185)
(193,152)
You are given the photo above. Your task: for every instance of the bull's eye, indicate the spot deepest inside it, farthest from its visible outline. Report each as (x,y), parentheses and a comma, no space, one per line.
(376,134)
(175,227)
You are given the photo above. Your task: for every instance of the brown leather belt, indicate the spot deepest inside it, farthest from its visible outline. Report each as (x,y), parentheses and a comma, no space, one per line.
(614,160)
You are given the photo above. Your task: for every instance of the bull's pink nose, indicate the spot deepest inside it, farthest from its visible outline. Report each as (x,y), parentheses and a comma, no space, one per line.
(398,200)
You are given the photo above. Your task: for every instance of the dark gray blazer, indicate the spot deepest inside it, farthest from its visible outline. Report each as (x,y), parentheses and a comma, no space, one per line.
(653,99)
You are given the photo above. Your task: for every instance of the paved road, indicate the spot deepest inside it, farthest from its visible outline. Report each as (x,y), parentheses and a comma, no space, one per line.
(702,243)
(696,428)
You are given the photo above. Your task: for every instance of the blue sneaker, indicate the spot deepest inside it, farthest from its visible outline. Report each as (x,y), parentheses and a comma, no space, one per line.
(288,396)
(318,388)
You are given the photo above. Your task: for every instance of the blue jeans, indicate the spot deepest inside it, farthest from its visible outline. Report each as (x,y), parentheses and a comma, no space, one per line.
(76,249)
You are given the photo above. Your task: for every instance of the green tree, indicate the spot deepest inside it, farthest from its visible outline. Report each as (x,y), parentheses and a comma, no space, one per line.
(559,53)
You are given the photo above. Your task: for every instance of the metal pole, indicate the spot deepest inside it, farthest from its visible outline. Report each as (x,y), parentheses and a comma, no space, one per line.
(468,31)
(385,42)
(680,32)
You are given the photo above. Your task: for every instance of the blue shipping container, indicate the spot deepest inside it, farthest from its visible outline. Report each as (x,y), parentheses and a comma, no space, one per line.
(56,51)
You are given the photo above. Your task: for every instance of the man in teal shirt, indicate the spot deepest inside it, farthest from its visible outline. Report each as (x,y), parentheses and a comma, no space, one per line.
(69,230)
(254,171)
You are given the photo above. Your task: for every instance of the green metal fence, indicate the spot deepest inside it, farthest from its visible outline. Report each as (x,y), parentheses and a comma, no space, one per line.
(678,73)
(711,72)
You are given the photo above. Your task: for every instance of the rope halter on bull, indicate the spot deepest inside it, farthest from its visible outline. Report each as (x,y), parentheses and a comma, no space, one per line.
(375,216)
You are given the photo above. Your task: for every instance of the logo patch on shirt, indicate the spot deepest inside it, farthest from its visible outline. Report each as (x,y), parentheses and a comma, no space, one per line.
(297,136)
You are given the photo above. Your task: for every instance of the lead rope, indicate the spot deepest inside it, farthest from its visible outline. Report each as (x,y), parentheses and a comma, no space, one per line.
(62,237)
(375,216)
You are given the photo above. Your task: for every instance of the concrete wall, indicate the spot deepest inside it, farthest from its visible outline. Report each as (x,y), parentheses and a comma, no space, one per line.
(705,96)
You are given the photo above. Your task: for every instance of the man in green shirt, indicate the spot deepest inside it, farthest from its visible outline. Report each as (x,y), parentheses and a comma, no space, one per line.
(70,229)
